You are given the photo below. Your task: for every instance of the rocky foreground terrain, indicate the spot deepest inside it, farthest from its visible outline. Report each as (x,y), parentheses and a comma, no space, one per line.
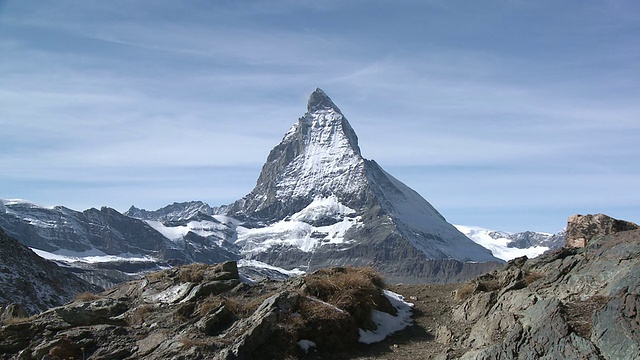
(578,302)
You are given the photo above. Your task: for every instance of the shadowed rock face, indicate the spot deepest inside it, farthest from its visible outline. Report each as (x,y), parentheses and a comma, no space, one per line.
(33,282)
(581,228)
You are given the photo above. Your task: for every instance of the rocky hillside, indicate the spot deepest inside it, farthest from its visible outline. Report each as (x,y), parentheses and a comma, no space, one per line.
(32,282)
(203,311)
(572,303)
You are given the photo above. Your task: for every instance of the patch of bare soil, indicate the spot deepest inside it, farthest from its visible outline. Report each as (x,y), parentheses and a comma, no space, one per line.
(426,338)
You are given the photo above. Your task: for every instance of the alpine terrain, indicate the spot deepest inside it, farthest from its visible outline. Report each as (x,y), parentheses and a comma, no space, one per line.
(317,203)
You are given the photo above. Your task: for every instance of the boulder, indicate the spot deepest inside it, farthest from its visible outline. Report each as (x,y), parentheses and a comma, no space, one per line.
(582,228)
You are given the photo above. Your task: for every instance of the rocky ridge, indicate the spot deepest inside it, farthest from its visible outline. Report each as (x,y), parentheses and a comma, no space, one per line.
(573,303)
(202,311)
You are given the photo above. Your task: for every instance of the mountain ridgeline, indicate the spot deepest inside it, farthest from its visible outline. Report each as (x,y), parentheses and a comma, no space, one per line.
(317,203)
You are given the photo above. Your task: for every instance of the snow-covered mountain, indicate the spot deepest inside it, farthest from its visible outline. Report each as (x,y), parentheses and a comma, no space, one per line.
(317,202)
(507,246)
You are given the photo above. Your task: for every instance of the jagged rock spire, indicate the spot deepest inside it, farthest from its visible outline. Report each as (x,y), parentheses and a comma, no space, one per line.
(320,100)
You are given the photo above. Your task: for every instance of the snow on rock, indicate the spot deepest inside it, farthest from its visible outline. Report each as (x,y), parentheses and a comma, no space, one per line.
(322,207)
(202,228)
(259,264)
(90,257)
(498,242)
(298,233)
(422,225)
(170,295)
(388,324)
(305,345)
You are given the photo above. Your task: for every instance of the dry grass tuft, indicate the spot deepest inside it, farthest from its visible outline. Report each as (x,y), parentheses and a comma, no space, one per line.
(356,290)
(138,315)
(532,277)
(15,320)
(465,291)
(87,296)
(189,343)
(207,305)
(192,272)
(243,308)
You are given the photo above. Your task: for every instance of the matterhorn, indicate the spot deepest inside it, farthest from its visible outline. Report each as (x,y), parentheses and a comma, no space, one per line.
(318,202)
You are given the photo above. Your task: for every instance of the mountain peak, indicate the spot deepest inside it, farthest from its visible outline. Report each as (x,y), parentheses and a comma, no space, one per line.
(319,100)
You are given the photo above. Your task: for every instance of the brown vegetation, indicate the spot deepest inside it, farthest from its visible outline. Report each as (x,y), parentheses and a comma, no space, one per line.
(532,277)
(356,290)
(87,296)
(465,291)
(192,272)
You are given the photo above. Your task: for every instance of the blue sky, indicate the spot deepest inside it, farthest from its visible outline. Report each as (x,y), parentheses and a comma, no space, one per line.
(511,115)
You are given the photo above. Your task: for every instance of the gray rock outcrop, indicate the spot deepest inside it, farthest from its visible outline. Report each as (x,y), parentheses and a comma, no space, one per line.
(572,303)
(582,228)
(197,311)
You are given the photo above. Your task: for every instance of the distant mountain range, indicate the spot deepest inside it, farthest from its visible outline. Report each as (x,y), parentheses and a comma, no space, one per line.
(506,246)
(317,203)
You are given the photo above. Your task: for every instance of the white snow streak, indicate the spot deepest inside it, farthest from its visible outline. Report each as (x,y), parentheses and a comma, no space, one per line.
(387,323)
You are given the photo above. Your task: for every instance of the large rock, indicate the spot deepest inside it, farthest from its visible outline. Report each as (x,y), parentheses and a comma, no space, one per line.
(581,228)
(616,327)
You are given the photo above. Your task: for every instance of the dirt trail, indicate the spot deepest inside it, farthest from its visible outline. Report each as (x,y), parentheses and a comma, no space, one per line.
(432,309)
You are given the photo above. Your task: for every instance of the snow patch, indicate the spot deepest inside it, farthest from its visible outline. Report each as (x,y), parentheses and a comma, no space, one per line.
(293,233)
(306,345)
(90,257)
(201,228)
(170,295)
(260,264)
(388,324)
(322,207)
